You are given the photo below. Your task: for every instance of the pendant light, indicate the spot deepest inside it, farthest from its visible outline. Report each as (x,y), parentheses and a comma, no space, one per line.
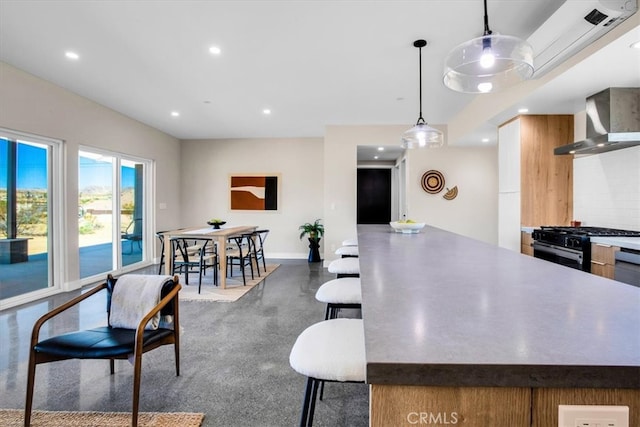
(422,135)
(489,63)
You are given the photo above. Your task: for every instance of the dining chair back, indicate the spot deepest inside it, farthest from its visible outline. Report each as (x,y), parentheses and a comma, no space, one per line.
(194,255)
(259,236)
(239,252)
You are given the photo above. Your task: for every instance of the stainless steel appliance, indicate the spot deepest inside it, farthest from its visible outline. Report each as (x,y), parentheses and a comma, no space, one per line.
(613,122)
(571,246)
(627,267)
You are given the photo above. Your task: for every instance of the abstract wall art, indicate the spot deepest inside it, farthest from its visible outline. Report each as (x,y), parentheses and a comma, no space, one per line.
(252,192)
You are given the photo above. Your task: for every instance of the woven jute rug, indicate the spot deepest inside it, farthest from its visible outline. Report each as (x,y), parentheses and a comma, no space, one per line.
(15,417)
(234,290)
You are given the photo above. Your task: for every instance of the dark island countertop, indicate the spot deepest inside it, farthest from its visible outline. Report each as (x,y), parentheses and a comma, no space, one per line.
(442,309)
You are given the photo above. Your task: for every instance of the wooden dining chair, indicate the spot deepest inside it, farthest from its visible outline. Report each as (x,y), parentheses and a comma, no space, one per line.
(154,327)
(259,236)
(239,252)
(194,255)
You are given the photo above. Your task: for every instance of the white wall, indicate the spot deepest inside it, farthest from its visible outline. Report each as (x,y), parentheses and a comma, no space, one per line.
(474,170)
(33,105)
(206,165)
(474,213)
(606,189)
(606,186)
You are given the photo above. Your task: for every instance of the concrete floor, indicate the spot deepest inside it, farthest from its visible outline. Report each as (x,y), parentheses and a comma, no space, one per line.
(234,360)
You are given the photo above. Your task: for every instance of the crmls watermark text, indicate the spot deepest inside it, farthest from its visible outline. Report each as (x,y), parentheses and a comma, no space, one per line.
(433,418)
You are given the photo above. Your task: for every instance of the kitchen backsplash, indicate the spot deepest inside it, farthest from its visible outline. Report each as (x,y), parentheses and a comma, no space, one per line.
(606,189)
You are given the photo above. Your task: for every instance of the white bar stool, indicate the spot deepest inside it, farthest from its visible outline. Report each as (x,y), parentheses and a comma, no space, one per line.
(331,350)
(345,267)
(340,293)
(350,242)
(347,251)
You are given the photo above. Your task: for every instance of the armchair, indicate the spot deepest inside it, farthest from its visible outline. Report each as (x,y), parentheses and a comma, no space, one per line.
(113,342)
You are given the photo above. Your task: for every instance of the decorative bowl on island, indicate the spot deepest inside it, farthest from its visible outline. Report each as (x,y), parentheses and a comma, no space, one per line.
(216,223)
(410,227)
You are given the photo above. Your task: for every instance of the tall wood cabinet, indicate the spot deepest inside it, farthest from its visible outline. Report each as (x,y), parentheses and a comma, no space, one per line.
(535,187)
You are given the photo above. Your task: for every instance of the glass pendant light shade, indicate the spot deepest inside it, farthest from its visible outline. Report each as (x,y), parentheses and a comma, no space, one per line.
(488,64)
(422,135)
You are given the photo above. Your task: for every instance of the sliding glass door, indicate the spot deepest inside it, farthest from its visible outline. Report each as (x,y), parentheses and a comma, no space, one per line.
(28,207)
(111,212)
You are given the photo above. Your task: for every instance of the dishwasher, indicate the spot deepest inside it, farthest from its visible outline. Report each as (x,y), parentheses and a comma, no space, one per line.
(627,267)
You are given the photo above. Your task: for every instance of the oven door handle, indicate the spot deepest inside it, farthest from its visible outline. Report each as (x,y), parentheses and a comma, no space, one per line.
(563,252)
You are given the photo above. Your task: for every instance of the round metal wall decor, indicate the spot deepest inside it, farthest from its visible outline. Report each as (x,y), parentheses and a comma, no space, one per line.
(432,181)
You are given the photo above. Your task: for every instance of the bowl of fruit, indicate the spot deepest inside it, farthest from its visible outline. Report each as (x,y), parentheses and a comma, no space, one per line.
(216,223)
(407,226)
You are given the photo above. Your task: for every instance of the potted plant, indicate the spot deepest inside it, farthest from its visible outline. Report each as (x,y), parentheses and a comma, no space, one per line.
(315,231)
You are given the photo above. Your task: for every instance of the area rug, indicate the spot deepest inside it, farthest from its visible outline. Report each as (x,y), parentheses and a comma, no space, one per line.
(15,417)
(235,289)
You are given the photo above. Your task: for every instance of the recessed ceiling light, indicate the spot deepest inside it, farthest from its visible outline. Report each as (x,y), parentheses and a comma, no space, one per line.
(215,50)
(175,113)
(266,111)
(636,45)
(375,157)
(380,148)
(71,55)
(523,110)
(485,139)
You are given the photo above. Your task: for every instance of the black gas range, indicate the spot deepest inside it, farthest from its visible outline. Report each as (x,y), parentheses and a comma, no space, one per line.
(571,246)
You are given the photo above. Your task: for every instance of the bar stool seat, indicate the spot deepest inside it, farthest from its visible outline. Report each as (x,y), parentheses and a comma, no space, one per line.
(350,242)
(331,350)
(345,267)
(347,251)
(340,293)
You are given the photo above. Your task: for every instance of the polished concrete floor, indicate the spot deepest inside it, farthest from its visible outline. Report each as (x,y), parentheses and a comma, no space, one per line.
(234,360)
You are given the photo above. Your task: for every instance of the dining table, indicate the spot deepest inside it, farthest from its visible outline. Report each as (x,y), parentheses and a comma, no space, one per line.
(218,235)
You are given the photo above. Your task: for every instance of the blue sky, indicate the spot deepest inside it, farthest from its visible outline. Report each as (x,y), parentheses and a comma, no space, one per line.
(32,169)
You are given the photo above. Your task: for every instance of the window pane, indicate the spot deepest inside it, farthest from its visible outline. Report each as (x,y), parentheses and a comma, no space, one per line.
(95,213)
(24,217)
(131,211)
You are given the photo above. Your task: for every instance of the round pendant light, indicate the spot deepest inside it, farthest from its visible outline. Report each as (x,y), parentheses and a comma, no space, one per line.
(422,135)
(489,63)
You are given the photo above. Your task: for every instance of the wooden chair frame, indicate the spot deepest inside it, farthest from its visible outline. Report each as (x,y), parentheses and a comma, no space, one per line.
(139,349)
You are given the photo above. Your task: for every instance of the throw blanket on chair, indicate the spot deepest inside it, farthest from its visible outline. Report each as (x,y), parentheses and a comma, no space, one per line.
(134,295)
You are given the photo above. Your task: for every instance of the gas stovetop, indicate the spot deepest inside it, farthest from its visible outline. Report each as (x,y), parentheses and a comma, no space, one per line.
(590,231)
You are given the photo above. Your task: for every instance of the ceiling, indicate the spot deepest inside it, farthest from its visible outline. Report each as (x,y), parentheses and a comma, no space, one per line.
(312,63)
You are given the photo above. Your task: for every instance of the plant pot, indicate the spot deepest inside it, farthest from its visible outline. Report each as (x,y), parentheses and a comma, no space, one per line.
(314,253)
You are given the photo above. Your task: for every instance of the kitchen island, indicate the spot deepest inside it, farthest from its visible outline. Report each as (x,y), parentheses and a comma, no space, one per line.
(458,331)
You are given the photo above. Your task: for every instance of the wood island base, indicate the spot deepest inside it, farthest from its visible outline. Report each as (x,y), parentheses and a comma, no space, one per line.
(403,405)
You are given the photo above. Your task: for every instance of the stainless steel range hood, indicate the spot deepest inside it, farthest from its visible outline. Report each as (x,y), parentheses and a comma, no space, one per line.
(613,122)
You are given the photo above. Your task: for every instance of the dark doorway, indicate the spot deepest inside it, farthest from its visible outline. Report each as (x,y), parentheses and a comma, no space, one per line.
(374,196)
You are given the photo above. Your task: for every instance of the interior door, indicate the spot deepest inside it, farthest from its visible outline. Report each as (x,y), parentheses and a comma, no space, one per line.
(374,196)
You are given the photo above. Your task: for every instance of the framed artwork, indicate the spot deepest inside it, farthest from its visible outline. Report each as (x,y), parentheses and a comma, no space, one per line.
(254,192)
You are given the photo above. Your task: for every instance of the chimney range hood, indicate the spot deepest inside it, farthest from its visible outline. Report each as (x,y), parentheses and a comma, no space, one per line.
(613,122)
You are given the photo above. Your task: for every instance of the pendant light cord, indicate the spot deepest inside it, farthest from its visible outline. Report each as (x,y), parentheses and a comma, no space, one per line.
(420,119)
(487,31)
(420,44)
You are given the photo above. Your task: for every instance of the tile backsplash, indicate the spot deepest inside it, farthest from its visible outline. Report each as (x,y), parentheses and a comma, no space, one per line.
(606,189)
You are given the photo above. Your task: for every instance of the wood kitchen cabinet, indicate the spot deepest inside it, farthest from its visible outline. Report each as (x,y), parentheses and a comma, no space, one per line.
(535,187)
(603,260)
(526,243)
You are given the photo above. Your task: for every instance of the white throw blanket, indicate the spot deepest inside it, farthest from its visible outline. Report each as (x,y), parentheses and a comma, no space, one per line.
(134,295)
